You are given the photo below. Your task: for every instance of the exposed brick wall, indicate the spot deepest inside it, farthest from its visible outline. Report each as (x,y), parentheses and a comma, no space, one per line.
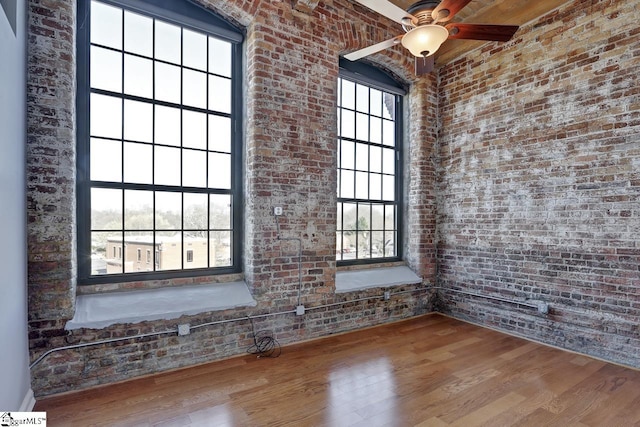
(290,160)
(539,193)
(51,159)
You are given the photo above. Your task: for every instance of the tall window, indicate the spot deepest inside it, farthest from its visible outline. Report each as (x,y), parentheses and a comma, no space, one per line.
(158,140)
(369,168)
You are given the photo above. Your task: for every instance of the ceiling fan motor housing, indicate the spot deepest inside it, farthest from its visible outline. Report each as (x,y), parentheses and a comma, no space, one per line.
(422,10)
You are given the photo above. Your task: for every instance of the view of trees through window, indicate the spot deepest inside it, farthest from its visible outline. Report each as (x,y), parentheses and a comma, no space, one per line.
(160,145)
(367,210)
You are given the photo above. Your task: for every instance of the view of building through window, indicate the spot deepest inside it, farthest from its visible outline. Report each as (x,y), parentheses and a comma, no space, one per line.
(367,179)
(160,144)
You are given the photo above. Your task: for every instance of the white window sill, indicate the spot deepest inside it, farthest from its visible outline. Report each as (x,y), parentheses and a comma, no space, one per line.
(357,280)
(97,311)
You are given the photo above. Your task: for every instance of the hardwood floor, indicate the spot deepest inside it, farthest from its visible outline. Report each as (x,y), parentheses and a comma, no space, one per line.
(427,371)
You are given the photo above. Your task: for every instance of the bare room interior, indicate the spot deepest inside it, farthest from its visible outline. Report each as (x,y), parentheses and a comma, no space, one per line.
(320,213)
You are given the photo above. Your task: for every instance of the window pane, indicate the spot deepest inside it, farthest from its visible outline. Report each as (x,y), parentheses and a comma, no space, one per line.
(106,209)
(167,83)
(362,126)
(138,34)
(219,171)
(388,188)
(362,157)
(194,168)
(167,43)
(375,104)
(106,25)
(390,244)
(348,94)
(195,250)
(364,216)
(194,129)
(194,92)
(106,160)
(389,217)
(138,210)
(219,133)
(375,164)
(220,249)
(349,215)
(388,133)
(375,130)
(138,121)
(106,69)
(347,184)
(136,243)
(377,244)
(137,163)
(220,205)
(362,98)
(363,247)
(168,210)
(169,250)
(347,159)
(362,185)
(104,252)
(195,212)
(138,76)
(167,125)
(167,166)
(377,217)
(388,161)
(375,186)
(388,110)
(106,116)
(348,124)
(194,50)
(219,57)
(219,94)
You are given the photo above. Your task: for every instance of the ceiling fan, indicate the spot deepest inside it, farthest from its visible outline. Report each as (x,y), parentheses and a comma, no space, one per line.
(423,33)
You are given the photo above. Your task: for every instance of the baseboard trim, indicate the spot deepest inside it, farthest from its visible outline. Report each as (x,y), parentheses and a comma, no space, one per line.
(29,402)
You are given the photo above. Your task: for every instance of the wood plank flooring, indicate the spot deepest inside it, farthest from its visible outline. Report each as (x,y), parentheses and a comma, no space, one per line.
(427,371)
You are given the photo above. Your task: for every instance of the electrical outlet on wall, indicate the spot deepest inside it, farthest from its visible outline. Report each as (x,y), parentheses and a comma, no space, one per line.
(277,210)
(184,329)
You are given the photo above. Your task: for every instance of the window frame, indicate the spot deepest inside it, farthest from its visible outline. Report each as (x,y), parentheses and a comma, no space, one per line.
(368,75)
(191,16)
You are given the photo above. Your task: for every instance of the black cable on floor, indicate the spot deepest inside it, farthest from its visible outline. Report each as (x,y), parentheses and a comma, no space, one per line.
(264,344)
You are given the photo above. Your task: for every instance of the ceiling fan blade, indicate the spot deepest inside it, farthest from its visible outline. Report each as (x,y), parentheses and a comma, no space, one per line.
(372,49)
(447,9)
(388,9)
(499,33)
(424,65)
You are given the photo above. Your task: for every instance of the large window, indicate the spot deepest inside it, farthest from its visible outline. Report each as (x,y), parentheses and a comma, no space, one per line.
(158,141)
(369,167)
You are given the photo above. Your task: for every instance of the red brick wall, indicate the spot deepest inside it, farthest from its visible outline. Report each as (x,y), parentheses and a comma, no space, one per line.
(539,190)
(291,81)
(51,160)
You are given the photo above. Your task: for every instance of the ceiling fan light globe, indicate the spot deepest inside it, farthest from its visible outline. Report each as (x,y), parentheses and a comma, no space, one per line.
(425,40)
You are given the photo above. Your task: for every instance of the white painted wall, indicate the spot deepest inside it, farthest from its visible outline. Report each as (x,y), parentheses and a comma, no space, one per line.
(15,388)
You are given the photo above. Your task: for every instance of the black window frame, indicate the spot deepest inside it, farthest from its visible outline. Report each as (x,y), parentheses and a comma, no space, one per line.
(366,74)
(186,14)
